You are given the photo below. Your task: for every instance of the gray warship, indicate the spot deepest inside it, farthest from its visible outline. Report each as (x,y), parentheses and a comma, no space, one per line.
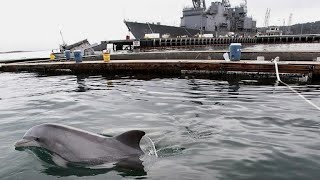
(219,19)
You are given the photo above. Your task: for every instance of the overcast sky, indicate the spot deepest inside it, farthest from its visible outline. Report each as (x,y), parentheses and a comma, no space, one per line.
(35,24)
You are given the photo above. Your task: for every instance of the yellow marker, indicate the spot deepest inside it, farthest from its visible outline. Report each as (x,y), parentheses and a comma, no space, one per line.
(106,56)
(52,56)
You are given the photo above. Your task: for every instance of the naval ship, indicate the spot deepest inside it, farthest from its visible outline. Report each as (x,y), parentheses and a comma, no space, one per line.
(219,19)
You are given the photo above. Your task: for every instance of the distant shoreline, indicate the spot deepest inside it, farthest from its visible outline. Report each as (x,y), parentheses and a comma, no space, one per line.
(9,52)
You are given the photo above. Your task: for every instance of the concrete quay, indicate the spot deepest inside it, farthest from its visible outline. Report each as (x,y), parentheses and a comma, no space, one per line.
(218,55)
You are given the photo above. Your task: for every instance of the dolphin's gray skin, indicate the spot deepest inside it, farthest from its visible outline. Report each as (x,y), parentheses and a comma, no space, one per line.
(81,147)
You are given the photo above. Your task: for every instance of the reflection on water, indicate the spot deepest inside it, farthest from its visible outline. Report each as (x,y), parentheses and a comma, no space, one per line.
(234,87)
(137,171)
(81,84)
(125,168)
(85,172)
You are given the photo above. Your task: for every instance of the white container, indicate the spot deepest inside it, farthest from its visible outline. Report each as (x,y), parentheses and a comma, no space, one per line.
(166,36)
(226,57)
(260,58)
(318,59)
(152,36)
(136,43)
(207,35)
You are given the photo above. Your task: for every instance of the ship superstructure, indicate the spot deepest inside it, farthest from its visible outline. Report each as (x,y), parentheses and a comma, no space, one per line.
(220,16)
(218,19)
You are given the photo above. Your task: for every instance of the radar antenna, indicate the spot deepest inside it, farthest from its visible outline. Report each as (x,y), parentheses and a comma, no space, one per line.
(198,4)
(204,4)
(226,3)
(246,3)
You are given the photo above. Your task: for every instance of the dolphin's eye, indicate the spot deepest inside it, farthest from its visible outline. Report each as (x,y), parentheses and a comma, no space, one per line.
(37,139)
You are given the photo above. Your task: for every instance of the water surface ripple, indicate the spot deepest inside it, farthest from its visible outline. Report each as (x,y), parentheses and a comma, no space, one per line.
(203,129)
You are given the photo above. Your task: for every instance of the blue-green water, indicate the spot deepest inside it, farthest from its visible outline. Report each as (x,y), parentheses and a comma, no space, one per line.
(202,129)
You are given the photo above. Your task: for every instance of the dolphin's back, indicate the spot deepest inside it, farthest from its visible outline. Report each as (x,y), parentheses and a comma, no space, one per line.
(78,146)
(131,138)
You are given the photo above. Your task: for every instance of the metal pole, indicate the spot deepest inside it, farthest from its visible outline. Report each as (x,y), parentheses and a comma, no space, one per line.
(201,23)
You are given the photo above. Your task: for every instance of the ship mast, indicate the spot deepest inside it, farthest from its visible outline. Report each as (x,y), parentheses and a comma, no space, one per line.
(204,4)
(245,6)
(200,4)
(226,3)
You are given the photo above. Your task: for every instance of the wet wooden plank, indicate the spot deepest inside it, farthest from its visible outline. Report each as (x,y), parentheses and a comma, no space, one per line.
(169,66)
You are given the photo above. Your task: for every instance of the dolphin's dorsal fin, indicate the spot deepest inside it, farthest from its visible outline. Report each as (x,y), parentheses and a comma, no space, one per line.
(131,138)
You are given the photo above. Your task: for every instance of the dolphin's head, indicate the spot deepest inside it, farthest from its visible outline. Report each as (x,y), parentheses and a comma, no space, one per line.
(34,137)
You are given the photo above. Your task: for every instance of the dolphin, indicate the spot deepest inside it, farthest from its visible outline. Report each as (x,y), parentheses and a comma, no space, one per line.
(76,146)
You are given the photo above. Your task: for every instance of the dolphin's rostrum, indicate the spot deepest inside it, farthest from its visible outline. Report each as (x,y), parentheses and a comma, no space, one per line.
(77,146)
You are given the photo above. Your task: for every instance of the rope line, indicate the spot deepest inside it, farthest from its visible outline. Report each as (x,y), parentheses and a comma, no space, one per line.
(293,90)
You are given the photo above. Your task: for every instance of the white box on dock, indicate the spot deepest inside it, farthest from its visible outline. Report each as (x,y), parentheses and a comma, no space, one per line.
(260,58)
(207,35)
(152,36)
(136,43)
(318,59)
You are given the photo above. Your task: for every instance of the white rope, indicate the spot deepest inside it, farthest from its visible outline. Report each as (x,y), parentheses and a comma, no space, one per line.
(293,90)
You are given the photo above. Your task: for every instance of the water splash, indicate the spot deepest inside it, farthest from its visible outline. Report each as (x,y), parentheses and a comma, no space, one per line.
(148,147)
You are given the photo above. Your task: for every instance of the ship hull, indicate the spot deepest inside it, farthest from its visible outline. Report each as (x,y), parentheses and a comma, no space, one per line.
(140,29)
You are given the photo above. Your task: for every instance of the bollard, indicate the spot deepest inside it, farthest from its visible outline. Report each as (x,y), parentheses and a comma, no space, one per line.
(235,51)
(78,56)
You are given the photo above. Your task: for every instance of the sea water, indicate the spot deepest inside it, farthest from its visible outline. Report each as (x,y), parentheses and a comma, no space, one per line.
(202,128)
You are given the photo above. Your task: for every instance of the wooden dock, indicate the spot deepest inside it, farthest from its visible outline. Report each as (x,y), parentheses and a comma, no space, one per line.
(194,55)
(218,55)
(167,67)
